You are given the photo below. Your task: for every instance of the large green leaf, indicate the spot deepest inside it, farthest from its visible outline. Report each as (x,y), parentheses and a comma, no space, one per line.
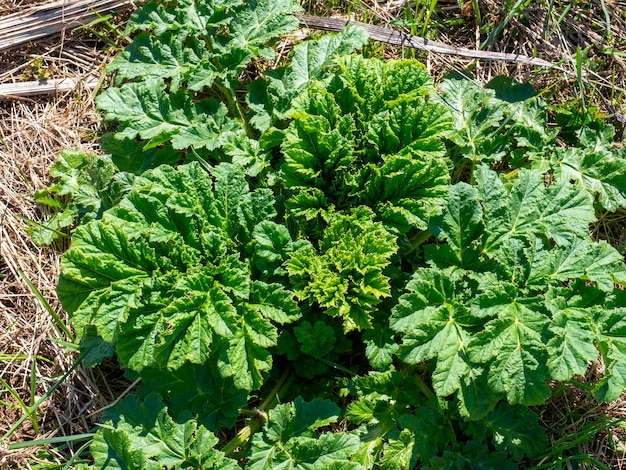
(190,16)
(512,347)
(514,429)
(290,439)
(160,275)
(187,47)
(141,435)
(433,320)
(124,154)
(406,191)
(481,314)
(273,243)
(148,112)
(408,122)
(196,389)
(503,120)
(583,259)
(572,347)
(166,57)
(560,211)
(611,334)
(476,115)
(461,225)
(261,22)
(270,100)
(600,171)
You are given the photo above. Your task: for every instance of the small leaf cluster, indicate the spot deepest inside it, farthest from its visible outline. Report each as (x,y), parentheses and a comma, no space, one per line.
(335,264)
(78,195)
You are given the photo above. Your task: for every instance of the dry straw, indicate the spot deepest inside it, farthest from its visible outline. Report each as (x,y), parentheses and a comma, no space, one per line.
(39,22)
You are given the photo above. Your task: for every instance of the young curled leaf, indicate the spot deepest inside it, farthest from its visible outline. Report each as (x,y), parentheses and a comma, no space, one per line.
(345,275)
(368,135)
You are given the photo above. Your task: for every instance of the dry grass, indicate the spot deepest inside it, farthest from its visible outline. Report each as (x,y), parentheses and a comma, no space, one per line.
(34,131)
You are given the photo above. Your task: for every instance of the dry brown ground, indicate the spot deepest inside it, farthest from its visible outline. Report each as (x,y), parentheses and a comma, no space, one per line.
(34,130)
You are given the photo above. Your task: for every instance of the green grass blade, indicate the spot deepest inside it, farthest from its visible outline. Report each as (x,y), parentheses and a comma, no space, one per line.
(565,445)
(33,408)
(613,51)
(33,381)
(23,357)
(58,322)
(607,18)
(519,6)
(50,440)
(429,12)
(29,412)
(69,347)
(546,25)
(564,14)
(476,8)
(70,462)
(579,75)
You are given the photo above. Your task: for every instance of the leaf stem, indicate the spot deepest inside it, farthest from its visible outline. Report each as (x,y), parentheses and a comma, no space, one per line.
(420,238)
(460,168)
(424,388)
(244,434)
(235,107)
(512,174)
(260,417)
(585,386)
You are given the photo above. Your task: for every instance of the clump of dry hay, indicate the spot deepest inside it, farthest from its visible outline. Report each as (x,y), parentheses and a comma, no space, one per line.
(34,130)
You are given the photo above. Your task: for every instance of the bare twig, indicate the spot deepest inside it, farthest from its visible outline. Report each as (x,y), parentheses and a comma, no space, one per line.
(42,87)
(392,36)
(38,22)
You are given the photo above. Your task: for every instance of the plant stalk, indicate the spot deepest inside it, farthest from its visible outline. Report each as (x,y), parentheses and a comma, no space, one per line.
(234,107)
(420,238)
(260,417)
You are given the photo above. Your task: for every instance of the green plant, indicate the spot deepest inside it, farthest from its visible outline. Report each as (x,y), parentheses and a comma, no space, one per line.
(336,264)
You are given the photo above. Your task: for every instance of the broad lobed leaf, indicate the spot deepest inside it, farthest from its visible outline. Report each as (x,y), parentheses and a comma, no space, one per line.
(599,169)
(168,288)
(502,121)
(290,439)
(507,246)
(141,435)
